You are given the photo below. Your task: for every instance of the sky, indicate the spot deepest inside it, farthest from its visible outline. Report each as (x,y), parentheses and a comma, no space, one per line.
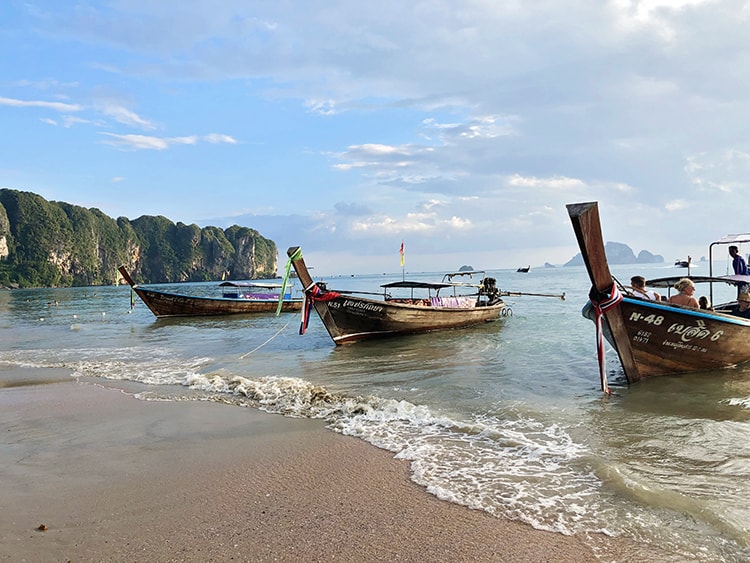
(461,128)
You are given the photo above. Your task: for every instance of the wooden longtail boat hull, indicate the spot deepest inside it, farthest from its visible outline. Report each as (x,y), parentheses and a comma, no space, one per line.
(350,319)
(164,304)
(667,339)
(655,338)
(175,305)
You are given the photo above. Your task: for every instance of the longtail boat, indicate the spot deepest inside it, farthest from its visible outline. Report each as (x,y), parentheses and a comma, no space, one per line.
(447,304)
(237,298)
(654,338)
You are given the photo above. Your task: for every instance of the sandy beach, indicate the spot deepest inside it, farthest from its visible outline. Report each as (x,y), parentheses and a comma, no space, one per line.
(91,473)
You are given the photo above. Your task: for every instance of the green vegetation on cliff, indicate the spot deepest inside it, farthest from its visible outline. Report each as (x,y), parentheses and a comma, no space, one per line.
(55,244)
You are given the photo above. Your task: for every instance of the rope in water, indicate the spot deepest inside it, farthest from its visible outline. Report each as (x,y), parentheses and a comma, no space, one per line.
(266,342)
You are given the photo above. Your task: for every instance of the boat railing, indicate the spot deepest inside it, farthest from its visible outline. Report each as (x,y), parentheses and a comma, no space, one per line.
(448,278)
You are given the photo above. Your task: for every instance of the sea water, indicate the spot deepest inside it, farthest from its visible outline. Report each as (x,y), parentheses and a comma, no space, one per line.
(507,417)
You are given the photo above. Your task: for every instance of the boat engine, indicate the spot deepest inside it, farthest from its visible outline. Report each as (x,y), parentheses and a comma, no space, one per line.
(489,288)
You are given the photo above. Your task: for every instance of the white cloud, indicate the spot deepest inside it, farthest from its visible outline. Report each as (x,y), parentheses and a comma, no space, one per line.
(726,170)
(676,205)
(127,117)
(56,106)
(556,182)
(459,223)
(70,120)
(487,127)
(147,142)
(217,138)
(322,107)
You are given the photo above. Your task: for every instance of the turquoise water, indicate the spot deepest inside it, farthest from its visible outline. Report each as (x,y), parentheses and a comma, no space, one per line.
(506,417)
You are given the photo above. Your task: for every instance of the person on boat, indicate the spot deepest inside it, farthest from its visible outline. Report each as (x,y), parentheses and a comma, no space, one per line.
(686,288)
(740,268)
(705,303)
(638,284)
(742,309)
(738,262)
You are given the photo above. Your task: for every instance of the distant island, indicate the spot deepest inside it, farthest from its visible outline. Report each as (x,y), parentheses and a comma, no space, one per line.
(619,253)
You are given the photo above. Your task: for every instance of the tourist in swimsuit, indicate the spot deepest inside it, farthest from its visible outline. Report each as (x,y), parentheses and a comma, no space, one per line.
(686,288)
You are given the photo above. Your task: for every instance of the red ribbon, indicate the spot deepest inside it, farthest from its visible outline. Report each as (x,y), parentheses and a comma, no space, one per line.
(311,296)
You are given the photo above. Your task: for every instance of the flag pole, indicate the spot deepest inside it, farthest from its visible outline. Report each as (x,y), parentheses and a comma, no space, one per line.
(403,272)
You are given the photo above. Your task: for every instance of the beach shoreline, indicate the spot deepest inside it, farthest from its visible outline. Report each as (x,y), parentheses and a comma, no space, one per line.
(92,473)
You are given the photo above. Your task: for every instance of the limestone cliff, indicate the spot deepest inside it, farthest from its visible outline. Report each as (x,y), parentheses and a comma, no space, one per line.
(56,244)
(619,253)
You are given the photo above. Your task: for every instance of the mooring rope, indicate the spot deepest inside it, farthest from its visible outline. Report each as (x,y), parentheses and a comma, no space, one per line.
(266,342)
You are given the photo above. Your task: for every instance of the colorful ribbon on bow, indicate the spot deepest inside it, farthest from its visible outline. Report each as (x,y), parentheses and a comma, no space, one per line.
(602,302)
(311,296)
(287,272)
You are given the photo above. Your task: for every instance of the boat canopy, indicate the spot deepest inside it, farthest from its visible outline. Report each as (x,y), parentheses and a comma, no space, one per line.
(447,281)
(733,239)
(250,284)
(416,285)
(671,280)
(728,239)
(470,273)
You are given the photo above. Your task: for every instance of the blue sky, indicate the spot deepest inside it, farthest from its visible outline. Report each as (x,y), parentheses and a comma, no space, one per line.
(460,127)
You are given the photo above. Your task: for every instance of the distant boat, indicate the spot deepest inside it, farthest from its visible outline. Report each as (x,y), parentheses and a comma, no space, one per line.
(683,263)
(237,298)
(524,270)
(655,337)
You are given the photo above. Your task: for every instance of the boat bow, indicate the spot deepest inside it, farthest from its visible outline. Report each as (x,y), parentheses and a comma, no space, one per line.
(587,227)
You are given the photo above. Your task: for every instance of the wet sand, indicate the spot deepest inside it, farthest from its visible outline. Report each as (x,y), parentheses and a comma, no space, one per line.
(109,477)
